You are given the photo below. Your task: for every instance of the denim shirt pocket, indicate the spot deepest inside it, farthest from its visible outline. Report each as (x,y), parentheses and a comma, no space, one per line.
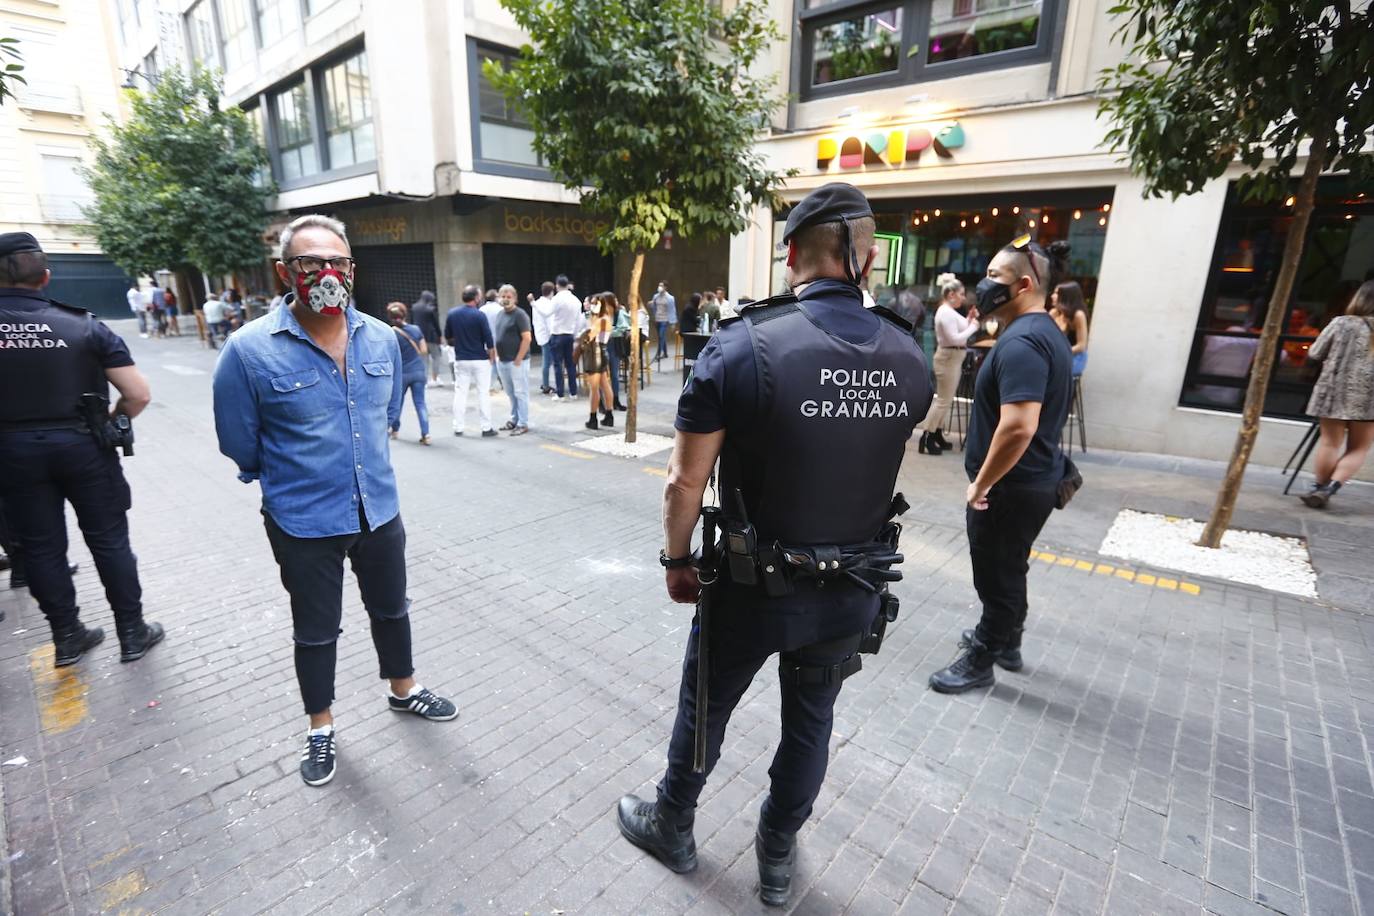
(379,382)
(300,395)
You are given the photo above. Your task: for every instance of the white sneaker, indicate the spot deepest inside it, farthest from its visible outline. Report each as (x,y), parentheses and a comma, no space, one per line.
(555,397)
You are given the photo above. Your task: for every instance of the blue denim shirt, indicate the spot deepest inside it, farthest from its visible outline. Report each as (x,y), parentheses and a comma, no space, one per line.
(315,438)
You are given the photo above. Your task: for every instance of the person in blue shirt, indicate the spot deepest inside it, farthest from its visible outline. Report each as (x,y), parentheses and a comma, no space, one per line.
(303,398)
(414,350)
(468,332)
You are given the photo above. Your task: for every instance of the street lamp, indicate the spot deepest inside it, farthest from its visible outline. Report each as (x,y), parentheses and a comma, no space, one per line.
(129,78)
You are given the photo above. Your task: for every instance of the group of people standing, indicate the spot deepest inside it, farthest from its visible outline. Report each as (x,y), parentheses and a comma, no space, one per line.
(155,308)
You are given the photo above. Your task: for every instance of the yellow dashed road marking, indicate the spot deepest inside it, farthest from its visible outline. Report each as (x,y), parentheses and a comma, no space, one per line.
(1170,584)
(1126,574)
(61,692)
(1106,569)
(1189,588)
(1047,558)
(1145,579)
(1083,566)
(657,472)
(569,452)
(1102,569)
(1066,561)
(123,889)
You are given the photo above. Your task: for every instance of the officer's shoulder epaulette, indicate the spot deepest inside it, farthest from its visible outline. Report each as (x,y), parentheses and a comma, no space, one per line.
(71,308)
(887,313)
(770,308)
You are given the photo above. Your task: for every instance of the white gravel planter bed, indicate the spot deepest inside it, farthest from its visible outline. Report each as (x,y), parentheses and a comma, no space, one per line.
(645,444)
(1249,557)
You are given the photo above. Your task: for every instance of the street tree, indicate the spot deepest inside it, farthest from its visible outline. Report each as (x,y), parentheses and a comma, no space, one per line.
(181,183)
(1211,85)
(649,109)
(11,67)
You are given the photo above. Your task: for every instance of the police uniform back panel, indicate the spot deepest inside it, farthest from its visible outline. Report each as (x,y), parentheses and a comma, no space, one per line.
(50,355)
(817,397)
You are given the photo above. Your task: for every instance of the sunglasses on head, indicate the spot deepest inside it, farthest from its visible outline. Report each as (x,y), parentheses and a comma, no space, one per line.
(1025,246)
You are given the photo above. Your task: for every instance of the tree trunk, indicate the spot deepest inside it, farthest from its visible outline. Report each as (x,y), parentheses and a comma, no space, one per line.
(632,402)
(1268,348)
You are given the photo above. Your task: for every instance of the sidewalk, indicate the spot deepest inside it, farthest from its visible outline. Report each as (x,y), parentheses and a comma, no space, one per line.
(1163,752)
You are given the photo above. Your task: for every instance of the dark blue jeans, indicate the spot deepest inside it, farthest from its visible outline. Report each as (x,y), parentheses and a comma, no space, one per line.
(39,472)
(613,362)
(662,340)
(562,347)
(415,384)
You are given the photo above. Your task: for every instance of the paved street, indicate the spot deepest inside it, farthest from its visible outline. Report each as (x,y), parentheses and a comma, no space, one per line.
(1172,746)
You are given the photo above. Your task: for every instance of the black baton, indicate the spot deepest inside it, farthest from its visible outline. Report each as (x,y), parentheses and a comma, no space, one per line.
(706,572)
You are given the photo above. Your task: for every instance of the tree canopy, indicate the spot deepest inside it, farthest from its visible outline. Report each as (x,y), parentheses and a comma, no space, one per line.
(649,108)
(181,183)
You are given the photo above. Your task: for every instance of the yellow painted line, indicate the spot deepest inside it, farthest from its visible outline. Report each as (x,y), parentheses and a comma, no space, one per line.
(657,472)
(1102,569)
(1066,561)
(61,692)
(1033,554)
(1047,558)
(1126,574)
(123,889)
(569,452)
(1170,584)
(1145,579)
(1083,566)
(1190,588)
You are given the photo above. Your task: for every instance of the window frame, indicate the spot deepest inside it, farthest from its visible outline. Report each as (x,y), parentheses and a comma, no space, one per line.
(250,26)
(480,164)
(916,20)
(322,105)
(216,60)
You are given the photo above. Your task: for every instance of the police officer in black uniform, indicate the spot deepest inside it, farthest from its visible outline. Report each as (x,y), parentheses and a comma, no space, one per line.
(58,445)
(808,401)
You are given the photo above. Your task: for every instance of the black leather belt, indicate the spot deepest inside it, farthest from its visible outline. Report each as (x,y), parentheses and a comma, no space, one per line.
(32,426)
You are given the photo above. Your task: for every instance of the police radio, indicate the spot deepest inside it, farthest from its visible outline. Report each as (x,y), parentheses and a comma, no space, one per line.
(741,546)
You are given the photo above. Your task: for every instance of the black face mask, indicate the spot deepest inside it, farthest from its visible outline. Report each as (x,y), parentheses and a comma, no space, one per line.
(992,295)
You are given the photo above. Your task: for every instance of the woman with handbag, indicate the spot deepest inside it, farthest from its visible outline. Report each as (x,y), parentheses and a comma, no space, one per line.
(595,363)
(1343,398)
(413,374)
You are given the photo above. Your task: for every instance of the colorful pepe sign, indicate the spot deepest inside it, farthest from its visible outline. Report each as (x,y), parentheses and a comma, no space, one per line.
(893,148)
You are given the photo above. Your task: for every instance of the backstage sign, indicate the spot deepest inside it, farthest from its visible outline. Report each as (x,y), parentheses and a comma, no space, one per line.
(541,223)
(855,394)
(29,335)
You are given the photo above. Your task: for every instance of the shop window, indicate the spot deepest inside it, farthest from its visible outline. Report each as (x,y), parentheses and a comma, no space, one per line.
(1338,257)
(850,46)
(348,112)
(236,33)
(504,140)
(295,133)
(200,29)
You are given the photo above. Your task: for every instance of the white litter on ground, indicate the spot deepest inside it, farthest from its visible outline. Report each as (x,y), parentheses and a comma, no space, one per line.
(646,444)
(20,761)
(1249,557)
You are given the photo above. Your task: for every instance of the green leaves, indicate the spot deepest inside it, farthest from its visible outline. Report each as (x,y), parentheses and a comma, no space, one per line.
(1243,80)
(10,67)
(649,104)
(177,185)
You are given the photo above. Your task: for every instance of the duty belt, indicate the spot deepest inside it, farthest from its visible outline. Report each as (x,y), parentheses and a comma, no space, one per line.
(29,426)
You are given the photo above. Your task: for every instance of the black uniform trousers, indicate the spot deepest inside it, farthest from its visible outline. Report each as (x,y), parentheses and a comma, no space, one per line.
(39,471)
(312,574)
(808,718)
(7,545)
(1000,538)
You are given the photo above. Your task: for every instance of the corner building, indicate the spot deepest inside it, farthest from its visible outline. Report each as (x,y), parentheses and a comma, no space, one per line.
(968,122)
(376,112)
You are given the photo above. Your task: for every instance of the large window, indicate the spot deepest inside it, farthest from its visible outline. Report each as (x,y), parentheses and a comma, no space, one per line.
(503,134)
(848,46)
(295,133)
(236,33)
(1338,257)
(274,20)
(348,112)
(200,33)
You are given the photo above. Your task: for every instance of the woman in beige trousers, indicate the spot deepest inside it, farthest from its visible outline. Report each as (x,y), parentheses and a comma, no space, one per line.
(952,332)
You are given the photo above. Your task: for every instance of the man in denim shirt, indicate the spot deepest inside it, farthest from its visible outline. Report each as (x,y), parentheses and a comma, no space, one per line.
(303,400)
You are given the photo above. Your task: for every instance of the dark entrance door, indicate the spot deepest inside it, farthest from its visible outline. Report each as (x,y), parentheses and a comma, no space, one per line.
(527,266)
(89,281)
(391,273)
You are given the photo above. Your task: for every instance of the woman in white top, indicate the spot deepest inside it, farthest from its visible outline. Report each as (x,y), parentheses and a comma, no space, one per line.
(952,332)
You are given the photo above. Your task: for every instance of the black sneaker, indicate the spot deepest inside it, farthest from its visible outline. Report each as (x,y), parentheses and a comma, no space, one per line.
(970,670)
(645,826)
(425,703)
(1009,658)
(317,760)
(488,433)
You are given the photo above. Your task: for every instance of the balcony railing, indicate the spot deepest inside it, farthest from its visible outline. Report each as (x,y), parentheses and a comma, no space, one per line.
(51,95)
(63,208)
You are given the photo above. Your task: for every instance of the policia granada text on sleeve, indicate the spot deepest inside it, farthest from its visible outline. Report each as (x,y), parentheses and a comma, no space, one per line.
(808,401)
(58,442)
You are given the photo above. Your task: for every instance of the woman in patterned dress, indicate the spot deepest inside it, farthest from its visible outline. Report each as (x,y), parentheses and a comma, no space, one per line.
(1343,399)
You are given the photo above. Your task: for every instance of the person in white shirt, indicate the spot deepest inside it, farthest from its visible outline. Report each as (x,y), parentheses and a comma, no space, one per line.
(952,332)
(665,317)
(541,310)
(135,299)
(215,323)
(491,307)
(567,314)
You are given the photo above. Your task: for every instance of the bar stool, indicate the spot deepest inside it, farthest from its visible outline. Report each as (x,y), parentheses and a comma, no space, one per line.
(963,397)
(1076,418)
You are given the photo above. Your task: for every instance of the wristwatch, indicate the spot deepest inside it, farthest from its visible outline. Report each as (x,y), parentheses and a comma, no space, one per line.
(668,562)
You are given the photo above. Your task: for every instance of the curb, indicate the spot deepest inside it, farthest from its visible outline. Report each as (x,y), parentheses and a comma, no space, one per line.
(6,887)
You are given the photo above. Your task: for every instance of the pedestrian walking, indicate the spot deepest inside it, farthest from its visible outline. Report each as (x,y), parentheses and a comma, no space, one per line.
(474,352)
(1343,398)
(58,440)
(563,325)
(952,331)
(1069,310)
(135,299)
(1015,466)
(424,314)
(170,300)
(215,310)
(414,353)
(303,399)
(158,310)
(665,316)
(512,355)
(541,316)
(596,363)
(777,415)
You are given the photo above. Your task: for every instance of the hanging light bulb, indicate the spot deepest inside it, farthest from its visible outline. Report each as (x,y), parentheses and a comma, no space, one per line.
(926,218)
(1106,208)
(1032,221)
(937,211)
(976,218)
(1288,202)
(1045,218)
(963,224)
(1015,210)
(1078,214)
(1102,221)
(994,211)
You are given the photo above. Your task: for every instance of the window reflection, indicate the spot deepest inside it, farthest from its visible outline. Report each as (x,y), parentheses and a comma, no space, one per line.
(859,46)
(969,28)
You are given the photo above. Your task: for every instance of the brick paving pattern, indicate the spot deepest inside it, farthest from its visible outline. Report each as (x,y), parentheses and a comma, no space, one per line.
(1163,752)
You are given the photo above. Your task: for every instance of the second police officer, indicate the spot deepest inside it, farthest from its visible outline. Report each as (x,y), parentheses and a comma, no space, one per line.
(58,444)
(808,401)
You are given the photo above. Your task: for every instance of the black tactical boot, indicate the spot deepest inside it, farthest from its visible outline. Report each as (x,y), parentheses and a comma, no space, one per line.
(644,825)
(607,420)
(970,670)
(777,855)
(1010,657)
(74,641)
(136,639)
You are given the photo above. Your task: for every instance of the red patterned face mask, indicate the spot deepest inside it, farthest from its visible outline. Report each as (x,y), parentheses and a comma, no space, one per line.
(326,291)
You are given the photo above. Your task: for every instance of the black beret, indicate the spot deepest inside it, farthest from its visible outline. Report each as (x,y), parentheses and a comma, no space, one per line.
(827,204)
(17,242)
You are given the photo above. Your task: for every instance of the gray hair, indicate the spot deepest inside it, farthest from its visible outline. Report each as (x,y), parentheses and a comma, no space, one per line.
(312,221)
(504,287)
(948,284)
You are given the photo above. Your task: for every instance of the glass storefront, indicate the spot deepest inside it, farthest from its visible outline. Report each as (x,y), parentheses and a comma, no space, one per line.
(1338,257)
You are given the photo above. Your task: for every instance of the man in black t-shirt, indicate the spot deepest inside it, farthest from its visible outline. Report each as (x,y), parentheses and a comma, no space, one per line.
(1020,403)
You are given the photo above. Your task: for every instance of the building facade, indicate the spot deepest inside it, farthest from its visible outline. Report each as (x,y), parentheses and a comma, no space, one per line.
(72,85)
(969,122)
(377,113)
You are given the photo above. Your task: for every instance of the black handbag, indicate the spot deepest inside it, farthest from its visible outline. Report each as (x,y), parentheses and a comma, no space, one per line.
(1069,484)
